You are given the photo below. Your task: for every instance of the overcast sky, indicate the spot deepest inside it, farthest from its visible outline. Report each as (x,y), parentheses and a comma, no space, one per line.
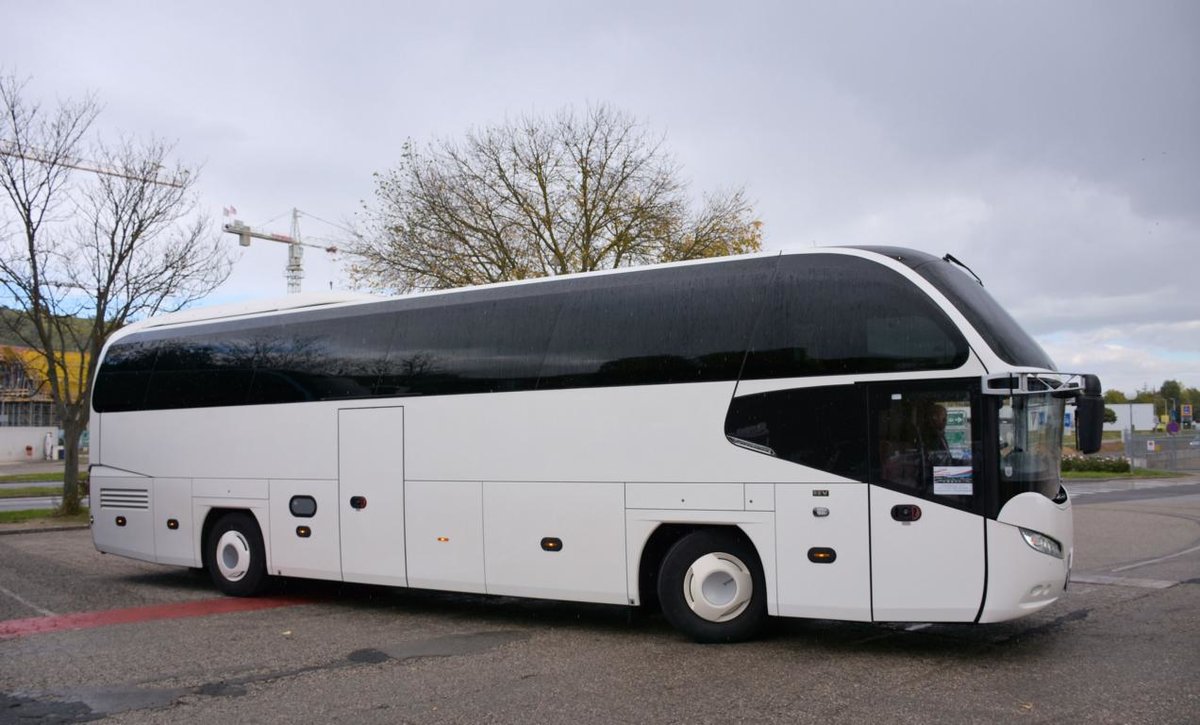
(1052,146)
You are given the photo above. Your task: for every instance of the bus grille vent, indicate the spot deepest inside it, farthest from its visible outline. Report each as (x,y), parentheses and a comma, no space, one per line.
(124,498)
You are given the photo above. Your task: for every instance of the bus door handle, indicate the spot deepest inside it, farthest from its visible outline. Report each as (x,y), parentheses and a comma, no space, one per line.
(906,512)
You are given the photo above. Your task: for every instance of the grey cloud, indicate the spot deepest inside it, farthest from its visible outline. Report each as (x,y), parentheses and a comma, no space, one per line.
(1052,146)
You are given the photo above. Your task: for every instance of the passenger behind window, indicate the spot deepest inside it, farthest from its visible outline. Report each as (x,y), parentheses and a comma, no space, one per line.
(900,448)
(933,434)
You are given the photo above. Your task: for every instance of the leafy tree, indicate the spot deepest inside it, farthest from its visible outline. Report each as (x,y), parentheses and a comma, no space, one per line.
(1115,396)
(541,196)
(82,253)
(1171,390)
(1192,395)
(1110,415)
(1146,395)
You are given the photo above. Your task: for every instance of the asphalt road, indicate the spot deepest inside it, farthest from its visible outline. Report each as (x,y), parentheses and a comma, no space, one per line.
(34,502)
(1123,646)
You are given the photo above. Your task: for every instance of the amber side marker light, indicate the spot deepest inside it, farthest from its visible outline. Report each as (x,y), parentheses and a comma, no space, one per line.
(443,539)
(172,524)
(120,521)
(822,555)
(303,532)
(551,543)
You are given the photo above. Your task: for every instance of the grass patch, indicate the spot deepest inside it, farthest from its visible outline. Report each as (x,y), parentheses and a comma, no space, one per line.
(27,491)
(47,516)
(1139,473)
(31,477)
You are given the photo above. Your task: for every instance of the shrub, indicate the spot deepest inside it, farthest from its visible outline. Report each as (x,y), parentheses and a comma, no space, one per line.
(1101,464)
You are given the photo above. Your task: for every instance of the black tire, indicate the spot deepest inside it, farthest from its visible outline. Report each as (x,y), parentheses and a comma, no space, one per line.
(702,587)
(235,557)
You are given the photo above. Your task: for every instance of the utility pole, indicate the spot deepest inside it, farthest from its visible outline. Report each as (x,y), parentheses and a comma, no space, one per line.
(294,271)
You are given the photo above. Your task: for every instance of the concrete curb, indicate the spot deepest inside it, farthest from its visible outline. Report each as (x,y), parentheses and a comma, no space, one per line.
(1132,479)
(12,529)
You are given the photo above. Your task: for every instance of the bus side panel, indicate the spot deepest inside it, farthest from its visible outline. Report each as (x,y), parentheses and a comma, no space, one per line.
(123,515)
(588,522)
(173,502)
(444,530)
(248,442)
(824,516)
(652,433)
(695,496)
(295,552)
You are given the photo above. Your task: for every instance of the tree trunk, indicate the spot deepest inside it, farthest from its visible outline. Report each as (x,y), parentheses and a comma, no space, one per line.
(72,432)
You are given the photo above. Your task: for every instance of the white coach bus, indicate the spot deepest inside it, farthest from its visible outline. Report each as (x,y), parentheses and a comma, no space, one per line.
(841,433)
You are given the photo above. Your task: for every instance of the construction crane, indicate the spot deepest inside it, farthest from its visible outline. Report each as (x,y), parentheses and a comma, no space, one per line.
(9,148)
(294,271)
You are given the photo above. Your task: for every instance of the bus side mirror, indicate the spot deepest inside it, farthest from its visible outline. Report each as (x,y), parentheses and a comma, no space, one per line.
(1089,419)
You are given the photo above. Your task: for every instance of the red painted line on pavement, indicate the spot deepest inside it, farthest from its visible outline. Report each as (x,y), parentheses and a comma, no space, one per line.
(87,620)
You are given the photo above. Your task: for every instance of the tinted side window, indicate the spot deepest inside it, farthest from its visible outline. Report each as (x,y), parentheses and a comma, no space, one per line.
(838,315)
(123,376)
(823,428)
(319,357)
(481,346)
(1002,333)
(680,325)
(685,324)
(990,320)
(199,371)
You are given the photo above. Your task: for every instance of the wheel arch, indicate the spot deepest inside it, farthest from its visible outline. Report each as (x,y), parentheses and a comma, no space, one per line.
(667,534)
(712,587)
(216,513)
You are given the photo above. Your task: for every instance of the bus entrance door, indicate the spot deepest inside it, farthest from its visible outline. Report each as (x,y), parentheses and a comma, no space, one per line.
(927,560)
(371,495)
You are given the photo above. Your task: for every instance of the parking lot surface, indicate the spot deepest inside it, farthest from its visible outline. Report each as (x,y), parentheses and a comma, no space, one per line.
(85,636)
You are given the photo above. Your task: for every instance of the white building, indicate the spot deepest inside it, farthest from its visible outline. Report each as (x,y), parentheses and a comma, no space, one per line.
(1141,415)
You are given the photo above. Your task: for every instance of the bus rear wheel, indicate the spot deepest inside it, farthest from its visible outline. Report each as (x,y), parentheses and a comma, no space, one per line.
(711,587)
(235,557)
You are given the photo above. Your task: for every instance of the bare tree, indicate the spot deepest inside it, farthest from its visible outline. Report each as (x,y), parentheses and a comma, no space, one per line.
(95,245)
(575,193)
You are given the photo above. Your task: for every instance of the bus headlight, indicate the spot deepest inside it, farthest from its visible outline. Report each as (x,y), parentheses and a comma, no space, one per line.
(1042,543)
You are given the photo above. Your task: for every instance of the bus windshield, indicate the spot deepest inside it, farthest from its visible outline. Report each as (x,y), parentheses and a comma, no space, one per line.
(1031,435)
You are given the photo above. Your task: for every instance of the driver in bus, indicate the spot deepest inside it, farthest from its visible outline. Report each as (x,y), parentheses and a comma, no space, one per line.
(933,435)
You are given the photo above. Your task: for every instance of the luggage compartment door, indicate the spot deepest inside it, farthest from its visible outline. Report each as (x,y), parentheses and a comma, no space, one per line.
(371,495)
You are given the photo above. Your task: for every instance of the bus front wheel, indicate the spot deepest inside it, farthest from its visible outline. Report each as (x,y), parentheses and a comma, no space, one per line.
(711,587)
(235,557)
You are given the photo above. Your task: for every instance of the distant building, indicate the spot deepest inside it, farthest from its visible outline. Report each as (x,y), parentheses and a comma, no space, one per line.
(1138,416)
(25,398)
